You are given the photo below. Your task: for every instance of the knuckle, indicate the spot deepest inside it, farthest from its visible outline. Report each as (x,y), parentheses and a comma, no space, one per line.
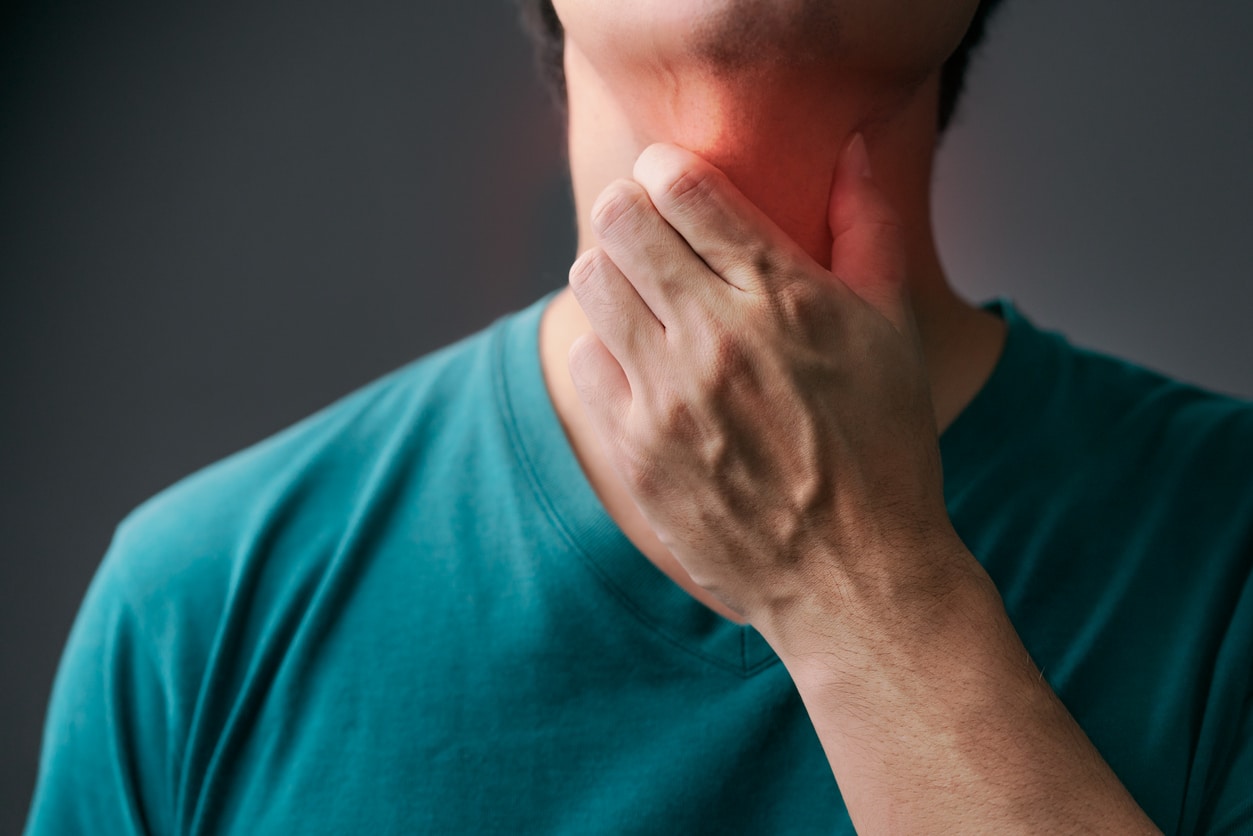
(685,186)
(675,420)
(771,264)
(617,204)
(764,261)
(797,305)
(729,359)
(585,268)
(661,257)
(638,470)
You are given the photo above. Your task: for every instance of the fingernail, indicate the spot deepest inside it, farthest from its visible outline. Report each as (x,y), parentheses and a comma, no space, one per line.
(858,158)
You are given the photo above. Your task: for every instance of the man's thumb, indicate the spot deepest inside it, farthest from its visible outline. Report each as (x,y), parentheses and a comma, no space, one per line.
(868,247)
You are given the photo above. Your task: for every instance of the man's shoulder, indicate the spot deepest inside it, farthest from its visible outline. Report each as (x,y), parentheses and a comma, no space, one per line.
(303,484)
(1085,405)
(1169,424)
(1109,445)
(1137,452)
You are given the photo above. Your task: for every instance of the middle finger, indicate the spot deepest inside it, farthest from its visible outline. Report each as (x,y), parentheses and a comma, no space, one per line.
(670,277)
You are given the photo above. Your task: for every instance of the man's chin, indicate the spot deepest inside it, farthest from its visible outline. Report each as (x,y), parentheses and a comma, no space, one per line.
(886,39)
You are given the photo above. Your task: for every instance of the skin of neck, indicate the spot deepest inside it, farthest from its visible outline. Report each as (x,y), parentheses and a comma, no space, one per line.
(776,131)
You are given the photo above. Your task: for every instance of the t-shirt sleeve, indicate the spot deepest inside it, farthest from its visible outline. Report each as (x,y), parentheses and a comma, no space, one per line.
(103,764)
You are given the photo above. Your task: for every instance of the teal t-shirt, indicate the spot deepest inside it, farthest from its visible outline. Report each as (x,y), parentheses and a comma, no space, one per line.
(409,613)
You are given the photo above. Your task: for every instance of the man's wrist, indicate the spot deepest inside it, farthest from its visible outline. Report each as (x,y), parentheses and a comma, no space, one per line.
(927,685)
(905,600)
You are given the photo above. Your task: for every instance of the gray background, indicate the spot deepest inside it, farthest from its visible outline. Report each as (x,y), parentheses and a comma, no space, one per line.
(216,218)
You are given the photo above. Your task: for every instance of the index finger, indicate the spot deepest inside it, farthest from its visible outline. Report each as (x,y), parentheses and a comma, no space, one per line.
(734,237)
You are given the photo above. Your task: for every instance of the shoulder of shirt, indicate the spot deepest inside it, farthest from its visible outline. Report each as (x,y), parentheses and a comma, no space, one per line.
(1101,406)
(189,544)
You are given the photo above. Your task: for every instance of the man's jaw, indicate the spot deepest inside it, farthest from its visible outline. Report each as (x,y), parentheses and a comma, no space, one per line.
(775,131)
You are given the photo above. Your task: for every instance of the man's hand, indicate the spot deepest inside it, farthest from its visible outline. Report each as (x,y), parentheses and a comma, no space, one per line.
(771,418)
(772,421)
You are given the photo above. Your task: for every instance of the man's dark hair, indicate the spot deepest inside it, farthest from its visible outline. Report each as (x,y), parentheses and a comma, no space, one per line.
(541,22)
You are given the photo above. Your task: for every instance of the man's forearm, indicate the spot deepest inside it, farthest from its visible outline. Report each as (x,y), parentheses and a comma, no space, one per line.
(934,717)
(773,422)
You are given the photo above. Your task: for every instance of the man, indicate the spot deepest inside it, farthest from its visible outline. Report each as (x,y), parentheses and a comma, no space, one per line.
(671,551)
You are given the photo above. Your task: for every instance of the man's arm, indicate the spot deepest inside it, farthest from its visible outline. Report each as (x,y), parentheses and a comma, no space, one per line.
(933,715)
(103,764)
(773,422)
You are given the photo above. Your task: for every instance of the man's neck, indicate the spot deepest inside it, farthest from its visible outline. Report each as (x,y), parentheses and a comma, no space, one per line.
(777,139)
(776,133)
